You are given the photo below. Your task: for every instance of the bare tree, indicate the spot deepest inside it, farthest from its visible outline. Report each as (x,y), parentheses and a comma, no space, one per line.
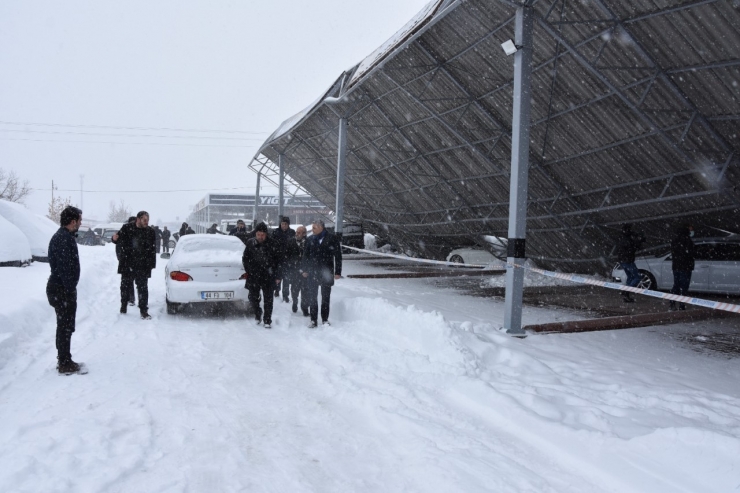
(119,213)
(56,206)
(11,187)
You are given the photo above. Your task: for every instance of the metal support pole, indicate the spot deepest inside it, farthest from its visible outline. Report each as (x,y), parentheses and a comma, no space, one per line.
(281,184)
(341,165)
(519,171)
(256,199)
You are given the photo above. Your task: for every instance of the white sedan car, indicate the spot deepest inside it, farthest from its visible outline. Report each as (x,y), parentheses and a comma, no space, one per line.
(716,269)
(472,255)
(205,269)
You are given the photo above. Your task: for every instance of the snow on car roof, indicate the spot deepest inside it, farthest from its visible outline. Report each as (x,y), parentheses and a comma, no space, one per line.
(38,230)
(13,243)
(199,243)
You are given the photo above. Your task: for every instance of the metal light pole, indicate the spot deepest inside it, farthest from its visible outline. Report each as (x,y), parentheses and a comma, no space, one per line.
(281,182)
(341,165)
(519,170)
(256,199)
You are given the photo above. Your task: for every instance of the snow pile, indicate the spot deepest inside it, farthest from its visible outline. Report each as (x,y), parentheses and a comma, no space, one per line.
(370,243)
(38,230)
(410,389)
(14,246)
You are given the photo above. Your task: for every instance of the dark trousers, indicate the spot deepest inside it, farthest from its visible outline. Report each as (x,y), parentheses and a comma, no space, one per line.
(65,306)
(681,281)
(266,288)
(297,287)
(633,273)
(166,246)
(159,245)
(311,292)
(129,288)
(141,279)
(285,285)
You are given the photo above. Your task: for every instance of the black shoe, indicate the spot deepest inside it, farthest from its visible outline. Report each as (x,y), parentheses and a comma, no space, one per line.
(295,307)
(305,313)
(313,324)
(277,294)
(145,315)
(627,298)
(286,300)
(124,307)
(268,324)
(68,367)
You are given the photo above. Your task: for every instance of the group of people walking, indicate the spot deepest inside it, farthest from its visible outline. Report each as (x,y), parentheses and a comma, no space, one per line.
(288,264)
(682,260)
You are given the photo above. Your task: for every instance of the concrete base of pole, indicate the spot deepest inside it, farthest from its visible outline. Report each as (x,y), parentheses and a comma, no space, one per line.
(513,298)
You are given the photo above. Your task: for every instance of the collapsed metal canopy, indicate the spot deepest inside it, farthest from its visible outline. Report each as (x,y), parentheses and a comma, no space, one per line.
(635,118)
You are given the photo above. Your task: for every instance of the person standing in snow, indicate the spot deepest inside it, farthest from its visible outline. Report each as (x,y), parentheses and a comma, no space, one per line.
(261,259)
(292,268)
(158,238)
(130,282)
(61,289)
(240,231)
(282,236)
(682,255)
(322,264)
(166,240)
(626,247)
(138,258)
(213,230)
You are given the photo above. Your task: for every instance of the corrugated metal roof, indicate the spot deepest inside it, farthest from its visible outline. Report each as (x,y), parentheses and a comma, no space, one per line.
(635,118)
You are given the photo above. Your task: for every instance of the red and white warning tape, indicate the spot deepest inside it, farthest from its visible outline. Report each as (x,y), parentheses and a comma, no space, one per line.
(715,305)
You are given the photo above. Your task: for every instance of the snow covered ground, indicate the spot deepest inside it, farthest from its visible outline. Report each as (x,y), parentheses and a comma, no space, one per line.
(412,389)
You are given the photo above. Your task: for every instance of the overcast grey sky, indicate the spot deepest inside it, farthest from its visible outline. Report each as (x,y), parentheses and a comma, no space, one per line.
(188,64)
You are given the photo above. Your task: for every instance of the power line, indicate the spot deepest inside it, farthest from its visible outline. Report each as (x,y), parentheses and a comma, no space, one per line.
(128,135)
(130,143)
(136,128)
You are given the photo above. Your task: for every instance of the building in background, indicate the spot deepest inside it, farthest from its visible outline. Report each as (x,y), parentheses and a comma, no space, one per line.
(222,208)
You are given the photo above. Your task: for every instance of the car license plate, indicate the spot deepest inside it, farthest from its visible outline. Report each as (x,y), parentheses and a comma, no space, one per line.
(216,295)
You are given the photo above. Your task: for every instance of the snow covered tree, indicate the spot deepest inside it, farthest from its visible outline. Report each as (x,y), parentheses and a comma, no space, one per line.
(12,188)
(56,206)
(118,213)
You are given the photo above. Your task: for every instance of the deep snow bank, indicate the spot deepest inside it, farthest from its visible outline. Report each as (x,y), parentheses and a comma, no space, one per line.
(38,230)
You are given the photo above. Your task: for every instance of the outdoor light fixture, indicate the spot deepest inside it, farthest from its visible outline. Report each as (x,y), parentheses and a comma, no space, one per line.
(509,47)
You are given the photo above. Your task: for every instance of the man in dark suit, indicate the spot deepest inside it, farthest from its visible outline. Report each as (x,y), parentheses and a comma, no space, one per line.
(138,258)
(261,260)
(322,264)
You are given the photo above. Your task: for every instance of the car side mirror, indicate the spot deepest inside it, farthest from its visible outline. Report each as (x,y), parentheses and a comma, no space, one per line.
(165,255)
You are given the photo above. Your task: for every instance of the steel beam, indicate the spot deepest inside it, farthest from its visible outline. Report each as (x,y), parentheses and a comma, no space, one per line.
(519,171)
(281,186)
(341,167)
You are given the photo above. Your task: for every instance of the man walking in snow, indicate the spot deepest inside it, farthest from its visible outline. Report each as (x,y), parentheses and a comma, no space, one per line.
(682,263)
(292,269)
(322,264)
(261,259)
(241,232)
(282,236)
(130,282)
(138,258)
(61,289)
(627,246)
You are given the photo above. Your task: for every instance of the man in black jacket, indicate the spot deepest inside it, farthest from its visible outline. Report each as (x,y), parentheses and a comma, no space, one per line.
(261,260)
(322,264)
(129,280)
(213,230)
(166,240)
(292,268)
(241,232)
(61,289)
(627,246)
(138,258)
(682,256)
(281,236)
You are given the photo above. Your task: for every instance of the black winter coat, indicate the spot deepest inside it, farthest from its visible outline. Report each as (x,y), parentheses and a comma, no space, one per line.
(138,252)
(166,235)
(627,245)
(261,261)
(682,251)
(293,258)
(64,260)
(242,234)
(282,238)
(323,260)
